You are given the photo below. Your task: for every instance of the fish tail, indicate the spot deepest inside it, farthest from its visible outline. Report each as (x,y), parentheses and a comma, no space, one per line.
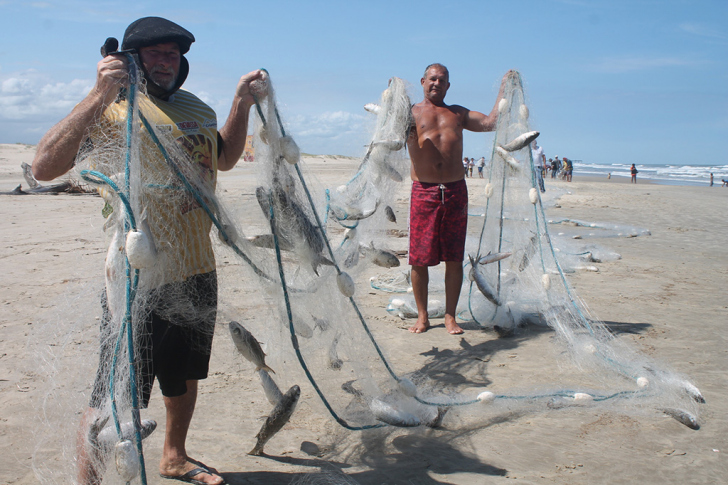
(265,368)
(256,451)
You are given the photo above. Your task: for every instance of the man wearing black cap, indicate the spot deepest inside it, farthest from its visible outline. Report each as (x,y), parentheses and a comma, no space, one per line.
(161,45)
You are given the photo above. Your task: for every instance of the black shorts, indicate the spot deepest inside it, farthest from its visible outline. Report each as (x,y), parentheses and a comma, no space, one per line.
(175,342)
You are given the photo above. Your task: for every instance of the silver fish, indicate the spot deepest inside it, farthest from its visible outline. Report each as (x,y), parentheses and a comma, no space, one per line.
(293,225)
(386,170)
(508,158)
(302,328)
(528,253)
(334,361)
(683,417)
(353,213)
(107,437)
(437,420)
(492,258)
(381,257)
(248,346)
(693,392)
(482,284)
(94,430)
(348,386)
(320,323)
(272,392)
(387,413)
(352,259)
(390,214)
(277,419)
(268,242)
(521,141)
(373,108)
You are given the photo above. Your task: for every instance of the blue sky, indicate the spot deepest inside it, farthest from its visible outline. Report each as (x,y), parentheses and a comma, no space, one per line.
(607,81)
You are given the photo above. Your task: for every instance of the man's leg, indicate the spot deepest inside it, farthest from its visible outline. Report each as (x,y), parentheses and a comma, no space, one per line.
(175,461)
(420,280)
(453,283)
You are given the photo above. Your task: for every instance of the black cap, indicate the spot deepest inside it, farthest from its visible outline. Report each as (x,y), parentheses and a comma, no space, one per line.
(156,30)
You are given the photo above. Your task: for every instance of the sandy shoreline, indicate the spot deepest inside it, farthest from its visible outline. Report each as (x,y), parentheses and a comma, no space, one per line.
(666,296)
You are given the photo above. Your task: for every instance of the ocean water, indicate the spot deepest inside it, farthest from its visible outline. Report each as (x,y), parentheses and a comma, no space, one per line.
(661,174)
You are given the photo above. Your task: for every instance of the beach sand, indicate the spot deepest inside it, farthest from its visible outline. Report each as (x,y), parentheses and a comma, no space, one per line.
(667,296)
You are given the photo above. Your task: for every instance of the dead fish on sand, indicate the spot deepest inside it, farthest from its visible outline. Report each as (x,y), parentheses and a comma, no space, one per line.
(335,362)
(248,346)
(683,417)
(381,257)
(277,419)
(482,284)
(388,414)
(389,212)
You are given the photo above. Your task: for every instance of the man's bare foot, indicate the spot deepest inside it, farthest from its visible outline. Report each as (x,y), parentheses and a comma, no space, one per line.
(204,474)
(452,326)
(420,326)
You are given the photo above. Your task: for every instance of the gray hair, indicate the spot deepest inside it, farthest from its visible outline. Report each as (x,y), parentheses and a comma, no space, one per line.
(438,66)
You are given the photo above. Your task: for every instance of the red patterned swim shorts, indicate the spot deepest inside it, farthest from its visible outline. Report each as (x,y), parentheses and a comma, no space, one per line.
(438,222)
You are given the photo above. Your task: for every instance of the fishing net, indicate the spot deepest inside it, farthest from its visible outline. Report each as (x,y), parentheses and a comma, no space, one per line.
(308,248)
(529,286)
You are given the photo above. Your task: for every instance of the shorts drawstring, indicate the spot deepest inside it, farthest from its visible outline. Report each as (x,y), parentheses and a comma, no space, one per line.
(442,193)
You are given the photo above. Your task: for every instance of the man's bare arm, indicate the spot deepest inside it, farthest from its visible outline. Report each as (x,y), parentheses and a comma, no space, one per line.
(57,149)
(475,121)
(235,131)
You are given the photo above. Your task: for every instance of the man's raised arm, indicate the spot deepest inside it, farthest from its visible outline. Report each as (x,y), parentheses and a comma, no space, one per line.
(475,121)
(57,149)
(235,131)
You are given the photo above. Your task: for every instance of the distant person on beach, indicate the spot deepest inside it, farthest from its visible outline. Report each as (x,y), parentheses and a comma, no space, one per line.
(481,165)
(466,162)
(471,166)
(439,199)
(711,179)
(568,169)
(539,160)
(633,171)
(177,350)
(554,167)
(725,182)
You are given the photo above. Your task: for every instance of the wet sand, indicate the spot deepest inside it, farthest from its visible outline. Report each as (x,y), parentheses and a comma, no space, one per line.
(667,296)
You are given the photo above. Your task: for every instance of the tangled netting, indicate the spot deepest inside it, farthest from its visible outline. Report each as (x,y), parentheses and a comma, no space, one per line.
(529,286)
(308,247)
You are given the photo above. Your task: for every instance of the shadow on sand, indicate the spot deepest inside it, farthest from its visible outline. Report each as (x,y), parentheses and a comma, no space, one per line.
(413,459)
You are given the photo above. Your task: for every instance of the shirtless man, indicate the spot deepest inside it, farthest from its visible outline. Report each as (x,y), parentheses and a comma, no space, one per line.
(439,201)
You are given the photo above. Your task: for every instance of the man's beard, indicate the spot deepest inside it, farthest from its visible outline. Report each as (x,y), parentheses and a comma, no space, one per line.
(166,85)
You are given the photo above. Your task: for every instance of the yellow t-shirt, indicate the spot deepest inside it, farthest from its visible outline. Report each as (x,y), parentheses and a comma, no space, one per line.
(180,226)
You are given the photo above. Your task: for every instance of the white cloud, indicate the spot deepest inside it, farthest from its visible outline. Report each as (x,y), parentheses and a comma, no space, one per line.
(703,31)
(627,64)
(330,124)
(331,132)
(30,96)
